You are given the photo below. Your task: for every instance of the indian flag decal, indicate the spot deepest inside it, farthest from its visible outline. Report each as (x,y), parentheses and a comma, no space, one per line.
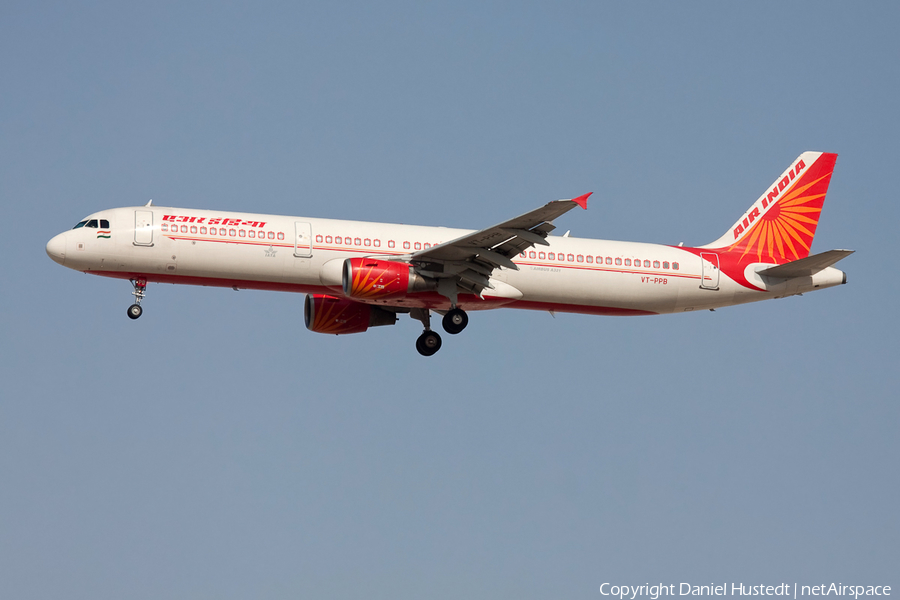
(103,233)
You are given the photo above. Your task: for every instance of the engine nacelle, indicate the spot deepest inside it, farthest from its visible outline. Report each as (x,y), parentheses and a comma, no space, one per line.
(328,314)
(375,279)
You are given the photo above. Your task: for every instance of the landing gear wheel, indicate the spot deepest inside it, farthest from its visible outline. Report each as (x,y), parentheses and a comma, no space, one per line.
(455,321)
(135,311)
(428,343)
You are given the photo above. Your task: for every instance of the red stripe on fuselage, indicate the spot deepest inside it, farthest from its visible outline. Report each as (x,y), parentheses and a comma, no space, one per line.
(429,300)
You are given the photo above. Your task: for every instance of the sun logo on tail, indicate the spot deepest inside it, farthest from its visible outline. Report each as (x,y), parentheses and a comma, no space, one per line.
(790,224)
(785,231)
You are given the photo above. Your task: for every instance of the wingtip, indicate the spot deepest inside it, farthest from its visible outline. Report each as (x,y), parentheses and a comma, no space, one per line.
(582,200)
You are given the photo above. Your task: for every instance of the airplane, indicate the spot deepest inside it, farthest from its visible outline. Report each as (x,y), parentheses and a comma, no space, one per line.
(358,275)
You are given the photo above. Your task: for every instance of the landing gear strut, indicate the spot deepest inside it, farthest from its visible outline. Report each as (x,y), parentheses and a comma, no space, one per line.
(429,342)
(140,288)
(455,320)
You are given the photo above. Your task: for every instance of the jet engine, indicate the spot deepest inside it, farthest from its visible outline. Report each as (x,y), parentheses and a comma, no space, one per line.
(374,279)
(327,314)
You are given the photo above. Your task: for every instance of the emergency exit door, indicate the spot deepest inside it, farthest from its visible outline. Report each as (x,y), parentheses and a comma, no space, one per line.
(302,240)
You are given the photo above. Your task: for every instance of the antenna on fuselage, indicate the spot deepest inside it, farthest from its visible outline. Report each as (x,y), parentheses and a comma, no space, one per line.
(149,203)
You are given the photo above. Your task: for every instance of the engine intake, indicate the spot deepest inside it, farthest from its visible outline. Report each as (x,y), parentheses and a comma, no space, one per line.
(338,316)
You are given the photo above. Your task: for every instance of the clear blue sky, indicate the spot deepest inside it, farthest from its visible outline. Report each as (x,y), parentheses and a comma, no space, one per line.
(217,449)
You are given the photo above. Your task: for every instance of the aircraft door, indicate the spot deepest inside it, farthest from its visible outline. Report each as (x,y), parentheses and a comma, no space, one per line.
(709,271)
(302,240)
(143,228)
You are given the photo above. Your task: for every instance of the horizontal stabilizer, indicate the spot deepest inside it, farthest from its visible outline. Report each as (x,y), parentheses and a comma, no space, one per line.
(806,267)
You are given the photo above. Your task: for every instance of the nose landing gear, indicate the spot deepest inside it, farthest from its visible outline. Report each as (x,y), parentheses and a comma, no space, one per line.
(140,288)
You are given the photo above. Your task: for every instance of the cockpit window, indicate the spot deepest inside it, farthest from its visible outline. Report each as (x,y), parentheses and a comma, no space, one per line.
(93,224)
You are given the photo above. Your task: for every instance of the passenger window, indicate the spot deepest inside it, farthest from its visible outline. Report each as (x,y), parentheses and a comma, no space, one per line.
(367,242)
(377,243)
(251,233)
(406,245)
(163,227)
(542,255)
(647,263)
(675,266)
(665,264)
(531,254)
(318,239)
(627,262)
(272,235)
(194,230)
(280,236)
(609,260)
(418,245)
(551,256)
(104,224)
(571,258)
(619,261)
(590,259)
(338,239)
(203,231)
(655,264)
(391,243)
(579,258)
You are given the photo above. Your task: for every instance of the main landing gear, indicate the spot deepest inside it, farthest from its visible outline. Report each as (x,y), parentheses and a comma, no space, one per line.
(140,288)
(429,342)
(455,321)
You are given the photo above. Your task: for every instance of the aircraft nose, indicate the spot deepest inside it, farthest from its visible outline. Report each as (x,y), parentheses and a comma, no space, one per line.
(56,248)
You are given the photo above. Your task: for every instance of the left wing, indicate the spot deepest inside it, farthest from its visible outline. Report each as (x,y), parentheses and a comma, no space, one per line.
(468,261)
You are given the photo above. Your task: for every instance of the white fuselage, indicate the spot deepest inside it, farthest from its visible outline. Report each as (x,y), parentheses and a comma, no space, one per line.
(255,251)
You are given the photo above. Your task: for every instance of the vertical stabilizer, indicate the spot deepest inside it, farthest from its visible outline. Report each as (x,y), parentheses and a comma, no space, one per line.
(781,224)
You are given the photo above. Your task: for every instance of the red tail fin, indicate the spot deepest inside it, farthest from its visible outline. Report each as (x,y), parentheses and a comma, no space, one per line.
(781,224)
